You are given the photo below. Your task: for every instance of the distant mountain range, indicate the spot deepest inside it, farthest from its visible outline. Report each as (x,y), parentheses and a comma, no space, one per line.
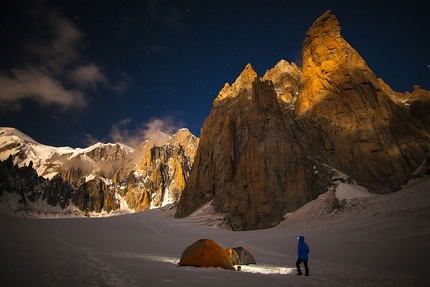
(100,179)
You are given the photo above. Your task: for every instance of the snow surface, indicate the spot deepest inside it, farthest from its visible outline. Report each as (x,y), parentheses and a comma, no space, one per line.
(374,241)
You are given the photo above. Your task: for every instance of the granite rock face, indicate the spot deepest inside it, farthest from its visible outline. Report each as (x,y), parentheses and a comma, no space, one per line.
(249,162)
(270,144)
(347,118)
(162,173)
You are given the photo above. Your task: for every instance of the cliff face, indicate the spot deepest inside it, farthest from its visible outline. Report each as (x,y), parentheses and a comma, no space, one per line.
(29,191)
(269,145)
(249,161)
(162,173)
(346,117)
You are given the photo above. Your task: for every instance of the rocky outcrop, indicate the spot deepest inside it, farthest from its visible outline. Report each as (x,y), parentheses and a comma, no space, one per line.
(416,104)
(32,190)
(95,196)
(419,105)
(249,161)
(346,117)
(162,172)
(285,78)
(270,145)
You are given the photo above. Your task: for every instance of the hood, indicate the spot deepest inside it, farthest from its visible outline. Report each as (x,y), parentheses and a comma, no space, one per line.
(301,238)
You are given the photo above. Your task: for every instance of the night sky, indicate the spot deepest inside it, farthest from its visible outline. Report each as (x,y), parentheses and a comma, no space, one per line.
(73,73)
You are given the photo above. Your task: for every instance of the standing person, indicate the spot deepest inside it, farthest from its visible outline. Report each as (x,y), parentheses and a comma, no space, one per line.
(302,252)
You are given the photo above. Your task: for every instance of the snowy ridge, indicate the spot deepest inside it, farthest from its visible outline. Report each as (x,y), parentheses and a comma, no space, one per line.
(26,150)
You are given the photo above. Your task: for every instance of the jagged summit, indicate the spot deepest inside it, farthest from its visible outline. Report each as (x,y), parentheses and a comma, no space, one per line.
(242,85)
(285,78)
(330,65)
(271,144)
(354,123)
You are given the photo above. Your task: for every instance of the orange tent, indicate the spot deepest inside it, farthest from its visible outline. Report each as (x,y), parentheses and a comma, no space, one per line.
(206,253)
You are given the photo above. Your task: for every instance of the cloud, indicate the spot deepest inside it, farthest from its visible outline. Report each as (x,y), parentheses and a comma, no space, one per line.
(87,76)
(38,85)
(90,140)
(157,130)
(54,71)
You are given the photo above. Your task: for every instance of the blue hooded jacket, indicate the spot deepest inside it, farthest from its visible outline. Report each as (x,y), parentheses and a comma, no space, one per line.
(303,249)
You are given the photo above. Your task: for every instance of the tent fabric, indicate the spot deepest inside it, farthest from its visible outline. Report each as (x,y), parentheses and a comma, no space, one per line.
(234,256)
(206,253)
(241,256)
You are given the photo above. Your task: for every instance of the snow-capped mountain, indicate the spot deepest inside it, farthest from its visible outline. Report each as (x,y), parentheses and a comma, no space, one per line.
(46,159)
(105,178)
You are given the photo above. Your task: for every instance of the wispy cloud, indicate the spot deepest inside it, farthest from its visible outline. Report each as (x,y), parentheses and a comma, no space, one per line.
(55,72)
(157,130)
(39,85)
(87,76)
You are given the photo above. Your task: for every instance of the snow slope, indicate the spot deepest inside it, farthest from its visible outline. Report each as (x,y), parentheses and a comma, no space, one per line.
(374,241)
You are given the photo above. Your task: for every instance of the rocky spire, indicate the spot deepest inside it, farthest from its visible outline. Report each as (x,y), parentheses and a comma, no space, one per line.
(268,145)
(348,119)
(242,84)
(248,160)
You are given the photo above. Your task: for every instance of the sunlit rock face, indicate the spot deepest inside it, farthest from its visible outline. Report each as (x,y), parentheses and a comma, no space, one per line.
(151,176)
(268,143)
(162,173)
(249,161)
(348,119)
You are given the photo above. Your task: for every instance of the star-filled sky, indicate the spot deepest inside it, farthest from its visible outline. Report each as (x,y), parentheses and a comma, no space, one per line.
(73,73)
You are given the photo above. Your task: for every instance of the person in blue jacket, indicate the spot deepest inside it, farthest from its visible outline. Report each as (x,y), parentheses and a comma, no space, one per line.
(302,253)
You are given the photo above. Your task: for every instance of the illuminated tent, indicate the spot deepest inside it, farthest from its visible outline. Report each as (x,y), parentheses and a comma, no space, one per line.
(241,256)
(206,253)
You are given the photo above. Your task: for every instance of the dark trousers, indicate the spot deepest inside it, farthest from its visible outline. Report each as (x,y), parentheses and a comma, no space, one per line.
(305,262)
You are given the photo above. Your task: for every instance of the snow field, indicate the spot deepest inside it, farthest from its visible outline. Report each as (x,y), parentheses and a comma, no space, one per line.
(373,241)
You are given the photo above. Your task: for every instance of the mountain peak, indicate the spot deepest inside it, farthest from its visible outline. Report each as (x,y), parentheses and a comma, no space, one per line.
(330,66)
(245,78)
(325,23)
(242,83)
(269,146)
